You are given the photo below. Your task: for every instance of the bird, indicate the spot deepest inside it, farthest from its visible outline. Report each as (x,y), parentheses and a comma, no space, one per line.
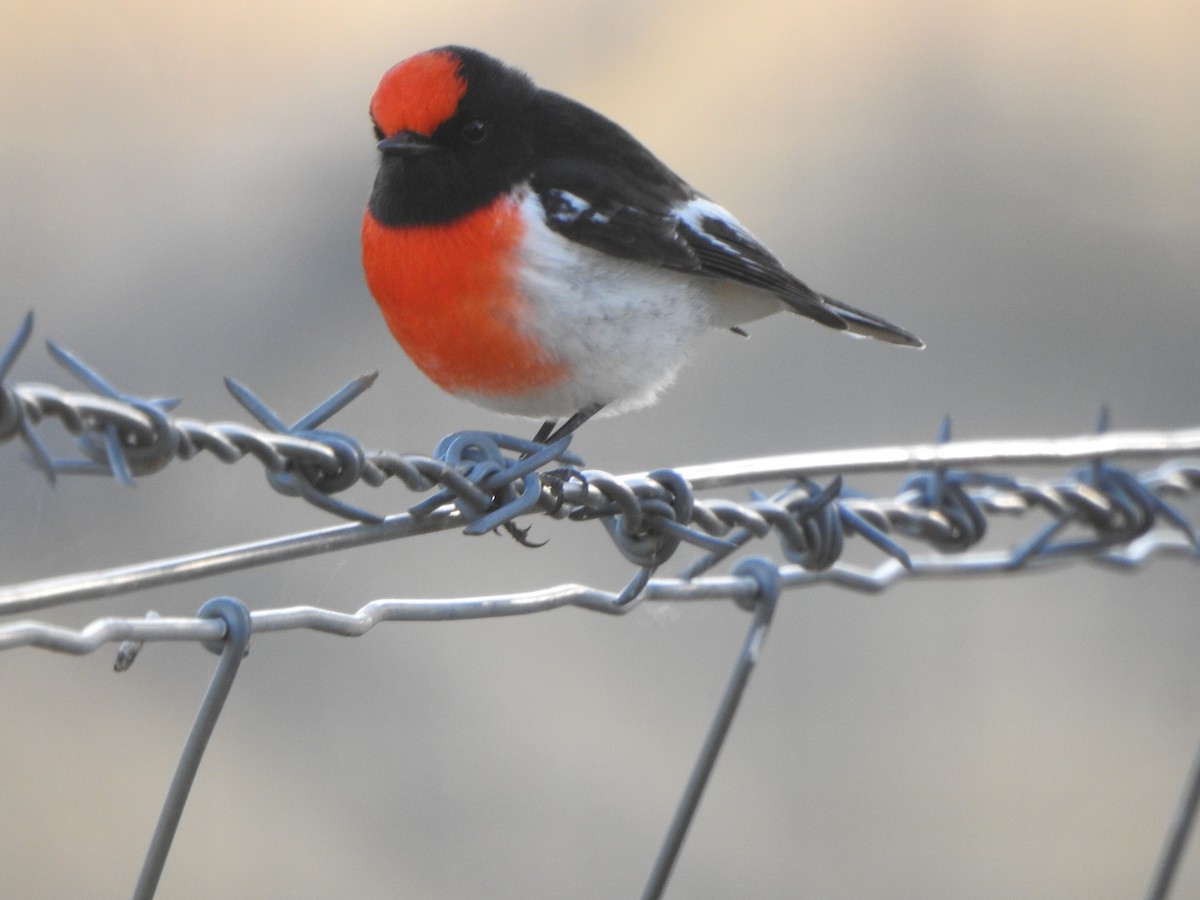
(532,256)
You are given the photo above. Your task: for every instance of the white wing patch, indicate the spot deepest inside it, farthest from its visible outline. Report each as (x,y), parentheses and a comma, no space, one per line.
(569,208)
(695,211)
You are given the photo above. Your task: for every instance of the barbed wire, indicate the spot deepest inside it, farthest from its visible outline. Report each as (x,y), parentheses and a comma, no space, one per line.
(483,481)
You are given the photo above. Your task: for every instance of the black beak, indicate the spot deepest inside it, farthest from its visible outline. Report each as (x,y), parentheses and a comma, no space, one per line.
(406,143)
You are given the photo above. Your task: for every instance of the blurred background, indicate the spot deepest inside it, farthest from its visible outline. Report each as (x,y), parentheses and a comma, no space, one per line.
(1017,182)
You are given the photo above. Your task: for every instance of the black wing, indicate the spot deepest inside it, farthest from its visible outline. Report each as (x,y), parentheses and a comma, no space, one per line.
(601,188)
(729,251)
(726,250)
(582,205)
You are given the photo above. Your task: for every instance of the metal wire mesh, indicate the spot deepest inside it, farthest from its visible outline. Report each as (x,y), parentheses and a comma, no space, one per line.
(936,525)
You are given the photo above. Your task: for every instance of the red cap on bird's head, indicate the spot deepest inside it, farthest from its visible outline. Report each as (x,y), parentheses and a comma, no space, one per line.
(418,94)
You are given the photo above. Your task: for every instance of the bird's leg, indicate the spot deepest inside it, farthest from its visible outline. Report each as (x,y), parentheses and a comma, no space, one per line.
(548,434)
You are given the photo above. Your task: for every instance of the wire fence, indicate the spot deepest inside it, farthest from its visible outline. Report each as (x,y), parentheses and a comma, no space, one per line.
(936,525)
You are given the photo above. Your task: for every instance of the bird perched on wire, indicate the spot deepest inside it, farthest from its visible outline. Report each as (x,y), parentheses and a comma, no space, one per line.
(531,256)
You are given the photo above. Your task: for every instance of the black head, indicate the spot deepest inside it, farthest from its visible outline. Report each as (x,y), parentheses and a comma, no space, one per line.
(455,132)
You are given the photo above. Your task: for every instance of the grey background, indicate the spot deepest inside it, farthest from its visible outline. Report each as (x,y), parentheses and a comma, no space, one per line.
(1019,183)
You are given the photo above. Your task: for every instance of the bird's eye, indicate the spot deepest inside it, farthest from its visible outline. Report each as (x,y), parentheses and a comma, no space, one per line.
(474,131)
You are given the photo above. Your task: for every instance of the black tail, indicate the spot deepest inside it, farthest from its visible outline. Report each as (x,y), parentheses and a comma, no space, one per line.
(870,325)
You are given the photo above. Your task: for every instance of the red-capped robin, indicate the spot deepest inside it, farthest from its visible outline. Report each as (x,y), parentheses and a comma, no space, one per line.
(531,256)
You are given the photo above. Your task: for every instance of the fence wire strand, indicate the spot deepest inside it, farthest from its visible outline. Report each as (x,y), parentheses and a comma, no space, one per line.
(935,525)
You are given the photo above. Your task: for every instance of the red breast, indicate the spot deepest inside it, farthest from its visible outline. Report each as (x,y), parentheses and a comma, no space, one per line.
(448,295)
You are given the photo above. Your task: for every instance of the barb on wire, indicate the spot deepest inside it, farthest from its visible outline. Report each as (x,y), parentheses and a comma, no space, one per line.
(318,477)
